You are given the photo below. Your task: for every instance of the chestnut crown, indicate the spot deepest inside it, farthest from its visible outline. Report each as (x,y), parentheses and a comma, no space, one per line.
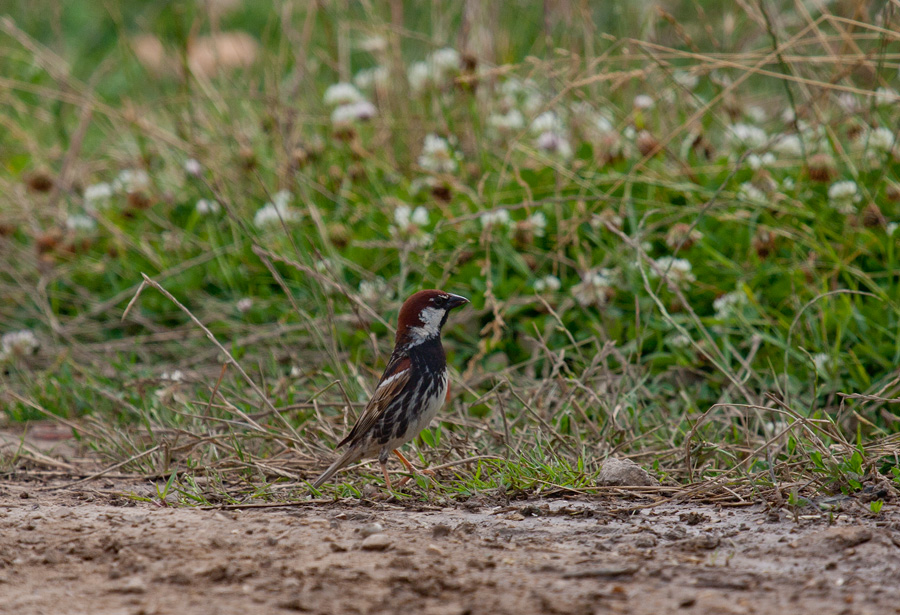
(424,313)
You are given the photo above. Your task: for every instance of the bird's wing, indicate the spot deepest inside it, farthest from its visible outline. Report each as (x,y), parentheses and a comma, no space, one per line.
(395,378)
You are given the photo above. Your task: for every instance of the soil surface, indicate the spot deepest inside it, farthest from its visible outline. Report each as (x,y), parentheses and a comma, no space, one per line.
(87,549)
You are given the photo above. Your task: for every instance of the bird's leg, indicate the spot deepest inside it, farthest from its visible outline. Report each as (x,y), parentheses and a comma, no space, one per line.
(410,468)
(387,479)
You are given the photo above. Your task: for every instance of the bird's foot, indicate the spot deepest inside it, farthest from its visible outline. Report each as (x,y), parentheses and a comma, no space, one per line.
(410,468)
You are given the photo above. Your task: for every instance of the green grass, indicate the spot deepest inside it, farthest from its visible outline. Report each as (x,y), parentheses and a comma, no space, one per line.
(748,391)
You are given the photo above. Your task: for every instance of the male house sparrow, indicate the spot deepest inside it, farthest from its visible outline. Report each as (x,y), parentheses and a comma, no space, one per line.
(412,389)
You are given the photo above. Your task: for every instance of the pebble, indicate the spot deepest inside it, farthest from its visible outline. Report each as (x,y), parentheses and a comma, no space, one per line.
(440,530)
(371,529)
(376,542)
(624,472)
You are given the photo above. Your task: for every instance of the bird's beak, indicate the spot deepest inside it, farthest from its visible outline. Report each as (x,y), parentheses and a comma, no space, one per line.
(455,301)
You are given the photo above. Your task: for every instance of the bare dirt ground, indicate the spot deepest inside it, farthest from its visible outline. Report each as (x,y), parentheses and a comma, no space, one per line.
(88,549)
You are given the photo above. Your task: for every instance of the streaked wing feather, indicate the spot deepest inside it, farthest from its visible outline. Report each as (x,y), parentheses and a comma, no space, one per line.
(394,379)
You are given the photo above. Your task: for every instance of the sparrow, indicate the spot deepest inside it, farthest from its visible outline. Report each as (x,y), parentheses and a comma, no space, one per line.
(412,389)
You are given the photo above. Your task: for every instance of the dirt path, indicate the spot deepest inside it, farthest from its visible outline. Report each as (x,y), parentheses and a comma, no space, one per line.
(87,552)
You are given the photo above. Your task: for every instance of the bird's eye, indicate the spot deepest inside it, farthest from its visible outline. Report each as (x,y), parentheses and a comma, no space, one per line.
(440,300)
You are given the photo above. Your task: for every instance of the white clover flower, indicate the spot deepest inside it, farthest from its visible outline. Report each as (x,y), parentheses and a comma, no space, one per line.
(849,102)
(813,134)
(747,136)
(351,113)
(757,162)
(342,94)
(373,44)
(207,206)
(524,94)
(788,145)
(678,340)
(730,304)
(642,101)
(538,222)
(512,87)
(272,214)
(554,143)
(18,344)
(378,76)
(749,192)
(533,101)
(175,376)
(602,124)
(437,155)
(788,183)
(97,195)
(755,113)
(419,216)
(446,60)
(843,196)
(131,180)
(494,218)
(373,291)
(821,361)
(595,288)
(882,139)
(419,76)
(886,96)
(193,167)
(282,197)
(677,270)
(686,79)
(599,221)
(511,121)
(405,216)
(891,228)
(402,215)
(244,305)
(443,65)
(80,222)
(324,265)
(408,223)
(438,70)
(547,121)
(547,284)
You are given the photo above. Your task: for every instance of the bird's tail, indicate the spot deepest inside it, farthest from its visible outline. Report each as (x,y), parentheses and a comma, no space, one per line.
(350,455)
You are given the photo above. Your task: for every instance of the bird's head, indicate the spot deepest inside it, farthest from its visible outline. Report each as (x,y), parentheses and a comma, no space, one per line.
(423,315)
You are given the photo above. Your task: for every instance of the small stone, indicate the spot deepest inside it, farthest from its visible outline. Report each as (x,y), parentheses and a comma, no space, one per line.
(837,539)
(703,542)
(376,542)
(440,530)
(675,533)
(624,473)
(371,529)
(693,518)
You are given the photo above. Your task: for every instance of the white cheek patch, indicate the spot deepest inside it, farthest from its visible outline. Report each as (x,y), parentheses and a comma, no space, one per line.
(431,324)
